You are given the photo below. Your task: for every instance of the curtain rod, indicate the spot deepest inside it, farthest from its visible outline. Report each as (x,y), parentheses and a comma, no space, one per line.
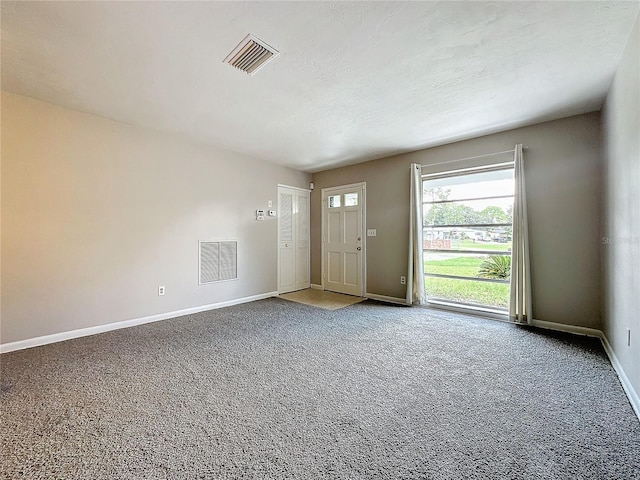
(471,158)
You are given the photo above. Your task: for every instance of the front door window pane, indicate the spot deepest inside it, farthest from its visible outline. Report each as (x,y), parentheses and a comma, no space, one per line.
(351,199)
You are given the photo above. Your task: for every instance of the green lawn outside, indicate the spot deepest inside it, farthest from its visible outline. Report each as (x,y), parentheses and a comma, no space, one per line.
(463,266)
(471,245)
(464,291)
(486,294)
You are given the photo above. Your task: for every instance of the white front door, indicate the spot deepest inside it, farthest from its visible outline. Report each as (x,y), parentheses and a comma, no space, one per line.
(343,239)
(293,239)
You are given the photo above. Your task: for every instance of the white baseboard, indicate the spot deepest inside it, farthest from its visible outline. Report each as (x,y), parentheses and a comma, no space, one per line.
(83,332)
(561,327)
(386,299)
(315,286)
(632,395)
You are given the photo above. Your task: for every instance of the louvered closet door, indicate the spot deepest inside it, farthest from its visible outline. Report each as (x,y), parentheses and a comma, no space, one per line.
(293,240)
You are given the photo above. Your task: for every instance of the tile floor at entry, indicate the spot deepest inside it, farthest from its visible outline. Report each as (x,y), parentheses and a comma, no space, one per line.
(321,298)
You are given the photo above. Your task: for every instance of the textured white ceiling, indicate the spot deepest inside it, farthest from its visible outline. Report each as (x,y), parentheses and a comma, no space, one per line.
(354,81)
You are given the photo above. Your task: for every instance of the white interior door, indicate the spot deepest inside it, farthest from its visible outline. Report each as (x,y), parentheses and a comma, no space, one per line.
(293,240)
(343,245)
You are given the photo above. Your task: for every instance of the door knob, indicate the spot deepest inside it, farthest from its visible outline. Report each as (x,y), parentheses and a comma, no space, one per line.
(359,248)
(359,238)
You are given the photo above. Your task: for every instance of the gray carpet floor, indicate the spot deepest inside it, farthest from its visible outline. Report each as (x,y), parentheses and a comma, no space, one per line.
(279,390)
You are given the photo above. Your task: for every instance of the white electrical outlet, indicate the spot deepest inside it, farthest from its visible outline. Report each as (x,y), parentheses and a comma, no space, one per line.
(371,232)
(160,291)
(403,280)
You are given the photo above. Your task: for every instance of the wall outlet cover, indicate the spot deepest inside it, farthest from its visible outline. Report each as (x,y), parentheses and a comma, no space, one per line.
(371,232)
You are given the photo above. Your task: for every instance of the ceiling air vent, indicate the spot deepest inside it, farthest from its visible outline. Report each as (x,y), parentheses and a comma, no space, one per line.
(251,55)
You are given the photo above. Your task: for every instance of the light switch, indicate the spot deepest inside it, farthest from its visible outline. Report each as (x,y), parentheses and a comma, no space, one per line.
(371,232)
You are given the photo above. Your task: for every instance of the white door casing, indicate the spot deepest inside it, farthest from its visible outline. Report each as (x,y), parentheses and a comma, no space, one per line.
(343,240)
(303,240)
(293,239)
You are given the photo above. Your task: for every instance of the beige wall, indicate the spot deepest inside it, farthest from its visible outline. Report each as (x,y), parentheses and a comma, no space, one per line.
(562,165)
(621,211)
(97,214)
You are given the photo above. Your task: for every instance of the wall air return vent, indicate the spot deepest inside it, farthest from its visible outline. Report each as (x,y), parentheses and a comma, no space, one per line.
(218,261)
(251,55)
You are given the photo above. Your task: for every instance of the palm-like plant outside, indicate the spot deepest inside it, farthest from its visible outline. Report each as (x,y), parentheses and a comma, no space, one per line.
(496,266)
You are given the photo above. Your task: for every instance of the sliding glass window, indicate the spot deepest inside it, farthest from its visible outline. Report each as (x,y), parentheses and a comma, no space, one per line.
(467,236)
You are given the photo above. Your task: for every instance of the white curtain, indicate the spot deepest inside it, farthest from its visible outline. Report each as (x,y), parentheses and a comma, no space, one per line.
(520,302)
(415,281)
